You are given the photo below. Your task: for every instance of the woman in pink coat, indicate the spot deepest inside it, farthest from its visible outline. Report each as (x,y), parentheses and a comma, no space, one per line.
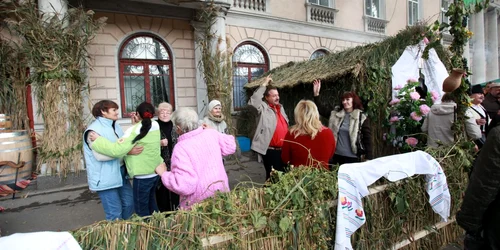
(197,170)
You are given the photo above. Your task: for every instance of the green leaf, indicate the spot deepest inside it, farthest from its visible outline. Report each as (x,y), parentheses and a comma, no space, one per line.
(258,220)
(285,224)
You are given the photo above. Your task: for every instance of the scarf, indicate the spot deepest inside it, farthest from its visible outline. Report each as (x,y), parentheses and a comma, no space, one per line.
(215,119)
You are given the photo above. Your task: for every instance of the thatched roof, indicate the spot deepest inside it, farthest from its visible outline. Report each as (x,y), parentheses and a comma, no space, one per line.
(347,62)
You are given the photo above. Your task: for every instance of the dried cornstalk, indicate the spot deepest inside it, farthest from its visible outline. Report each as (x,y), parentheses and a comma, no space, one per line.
(55,46)
(216,64)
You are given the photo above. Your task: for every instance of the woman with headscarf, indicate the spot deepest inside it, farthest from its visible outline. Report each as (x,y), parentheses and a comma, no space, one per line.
(308,142)
(197,170)
(166,199)
(347,125)
(214,118)
(140,167)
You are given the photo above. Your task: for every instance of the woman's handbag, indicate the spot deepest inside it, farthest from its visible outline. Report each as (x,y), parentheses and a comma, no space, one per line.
(359,141)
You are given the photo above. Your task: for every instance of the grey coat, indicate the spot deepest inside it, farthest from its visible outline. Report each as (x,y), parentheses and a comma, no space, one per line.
(438,124)
(267,121)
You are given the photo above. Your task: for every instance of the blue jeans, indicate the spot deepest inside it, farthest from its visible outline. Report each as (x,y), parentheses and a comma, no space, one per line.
(144,196)
(118,203)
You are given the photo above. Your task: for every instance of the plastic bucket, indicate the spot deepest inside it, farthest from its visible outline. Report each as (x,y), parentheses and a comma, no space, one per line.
(244,143)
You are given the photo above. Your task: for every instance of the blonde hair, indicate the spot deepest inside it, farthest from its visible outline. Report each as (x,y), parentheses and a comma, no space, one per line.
(165,105)
(306,120)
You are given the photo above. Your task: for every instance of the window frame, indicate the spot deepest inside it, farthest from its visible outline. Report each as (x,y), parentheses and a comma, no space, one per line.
(331,3)
(326,52)
(122,62)
(443,11)
(381,9)
(249,66)
(419,13)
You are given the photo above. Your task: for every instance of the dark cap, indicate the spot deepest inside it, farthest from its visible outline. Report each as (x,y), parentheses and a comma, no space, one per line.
(476,89)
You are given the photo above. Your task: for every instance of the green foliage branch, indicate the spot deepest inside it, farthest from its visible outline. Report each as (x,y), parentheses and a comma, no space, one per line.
(458,14)
(296,210)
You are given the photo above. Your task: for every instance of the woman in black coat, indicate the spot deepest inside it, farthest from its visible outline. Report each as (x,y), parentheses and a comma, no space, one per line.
(166,200)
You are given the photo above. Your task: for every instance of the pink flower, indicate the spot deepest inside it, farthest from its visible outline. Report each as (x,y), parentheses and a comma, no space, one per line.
(394,101)
(398,87)
(412,80)
(424,109)
(384,136)
(415,95)
(394,119)
(412,141)
(415,116)
(426,40)
(434,95)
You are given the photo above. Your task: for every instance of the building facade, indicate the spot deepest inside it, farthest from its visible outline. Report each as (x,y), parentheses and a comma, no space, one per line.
(148,52)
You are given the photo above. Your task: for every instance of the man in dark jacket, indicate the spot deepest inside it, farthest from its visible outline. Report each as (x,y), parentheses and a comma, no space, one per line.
(480,211)
(491,103)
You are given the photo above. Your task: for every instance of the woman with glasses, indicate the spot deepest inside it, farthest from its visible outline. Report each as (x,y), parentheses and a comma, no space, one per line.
(166,200)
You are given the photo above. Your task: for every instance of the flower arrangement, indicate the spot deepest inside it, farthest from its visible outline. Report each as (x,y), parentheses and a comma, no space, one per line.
(407,111)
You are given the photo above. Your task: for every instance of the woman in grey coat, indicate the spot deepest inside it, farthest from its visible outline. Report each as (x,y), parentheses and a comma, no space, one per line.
(214,118)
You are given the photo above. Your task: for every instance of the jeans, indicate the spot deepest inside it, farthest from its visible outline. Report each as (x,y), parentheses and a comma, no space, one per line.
(118,203)
(144,196)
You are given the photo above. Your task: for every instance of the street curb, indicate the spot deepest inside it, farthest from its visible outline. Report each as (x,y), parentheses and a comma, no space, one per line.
(29,193)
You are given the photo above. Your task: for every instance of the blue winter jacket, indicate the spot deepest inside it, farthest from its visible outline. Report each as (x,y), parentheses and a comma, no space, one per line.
(103,175)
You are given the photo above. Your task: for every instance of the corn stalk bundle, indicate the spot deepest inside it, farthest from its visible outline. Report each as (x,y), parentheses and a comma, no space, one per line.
(296,210)
(55,45)
(13,81)
(216,63)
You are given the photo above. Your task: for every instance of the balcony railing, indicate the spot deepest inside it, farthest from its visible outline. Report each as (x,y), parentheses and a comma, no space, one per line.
(251,5)
(320,14)
(373,24)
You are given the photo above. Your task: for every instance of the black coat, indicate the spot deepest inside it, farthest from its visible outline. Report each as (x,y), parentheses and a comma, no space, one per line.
(481,204)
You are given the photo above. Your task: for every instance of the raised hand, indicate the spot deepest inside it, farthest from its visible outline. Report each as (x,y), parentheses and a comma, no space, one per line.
(267,81)
(316,87)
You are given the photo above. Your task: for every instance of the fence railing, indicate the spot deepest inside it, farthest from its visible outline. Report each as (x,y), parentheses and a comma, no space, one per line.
(373,24)
(320,14)
(251,5)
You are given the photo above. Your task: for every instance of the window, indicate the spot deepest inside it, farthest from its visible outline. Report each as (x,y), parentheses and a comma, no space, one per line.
(250,62)
(373,8)
(325,3)
(445,4)
(318,53)
(413,12)
(145,73)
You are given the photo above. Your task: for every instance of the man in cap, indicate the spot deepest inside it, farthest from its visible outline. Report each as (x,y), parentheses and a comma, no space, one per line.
(491,103)
(479,112)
